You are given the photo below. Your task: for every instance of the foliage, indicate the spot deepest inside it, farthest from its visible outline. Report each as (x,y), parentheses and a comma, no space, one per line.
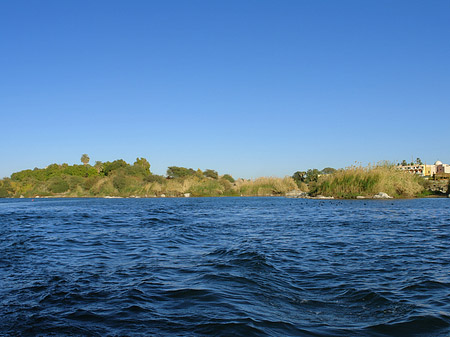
(109,167)
(6,188)
(368,181)
(266,186)
(141,166)
(228,177)
(58,185)
(211,174)
(152,178)
(120,182)
(312,175)
(299,177)
(118,178)
(85,159)
(328,170)
(179,172)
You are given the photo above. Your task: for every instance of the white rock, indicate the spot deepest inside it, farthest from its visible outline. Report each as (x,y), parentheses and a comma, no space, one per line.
(382,195)
(296,194)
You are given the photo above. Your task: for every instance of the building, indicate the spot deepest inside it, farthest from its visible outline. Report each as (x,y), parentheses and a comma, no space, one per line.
(427,170)
(442,168)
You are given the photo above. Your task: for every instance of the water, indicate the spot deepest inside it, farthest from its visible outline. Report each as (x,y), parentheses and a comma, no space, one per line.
(224,267)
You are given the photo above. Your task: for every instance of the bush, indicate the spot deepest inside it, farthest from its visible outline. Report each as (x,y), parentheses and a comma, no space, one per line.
(4,193)
(154,178)
(88,183)
(211,174)
(108,167)
(228,178)
(58,186)
(179,172)
(120,182)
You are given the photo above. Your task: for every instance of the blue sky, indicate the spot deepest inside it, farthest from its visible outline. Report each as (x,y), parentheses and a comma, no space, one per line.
(251,88)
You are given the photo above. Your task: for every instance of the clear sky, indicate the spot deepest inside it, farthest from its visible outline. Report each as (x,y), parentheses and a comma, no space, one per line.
(250,88)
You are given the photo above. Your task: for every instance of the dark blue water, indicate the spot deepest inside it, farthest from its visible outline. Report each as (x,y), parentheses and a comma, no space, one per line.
(224,267)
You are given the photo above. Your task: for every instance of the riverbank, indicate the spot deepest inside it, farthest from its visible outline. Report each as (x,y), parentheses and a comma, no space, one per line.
(119,179)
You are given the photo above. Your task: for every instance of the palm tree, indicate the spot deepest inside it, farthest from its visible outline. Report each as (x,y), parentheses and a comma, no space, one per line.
(85,159)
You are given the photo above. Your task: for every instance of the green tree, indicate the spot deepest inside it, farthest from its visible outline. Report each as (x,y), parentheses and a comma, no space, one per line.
(98,166)
(142,166)
(179,172)
(312,175)
(328,170)
(108,167)
(404,163)
(120,182)
(6,188)
(85,159)
(228,177)
(58,185)
(299,176)
(211,174)
(419,161)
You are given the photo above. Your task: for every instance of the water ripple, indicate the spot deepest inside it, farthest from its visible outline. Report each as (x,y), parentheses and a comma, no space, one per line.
(224,266)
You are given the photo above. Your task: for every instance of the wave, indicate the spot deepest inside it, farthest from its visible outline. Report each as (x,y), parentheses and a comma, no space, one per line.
(424,325)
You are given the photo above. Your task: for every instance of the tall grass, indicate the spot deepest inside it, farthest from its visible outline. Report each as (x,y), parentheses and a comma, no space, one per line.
(266,186)
(367,181)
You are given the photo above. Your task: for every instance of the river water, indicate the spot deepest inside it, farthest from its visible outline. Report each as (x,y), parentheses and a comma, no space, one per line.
(224,267)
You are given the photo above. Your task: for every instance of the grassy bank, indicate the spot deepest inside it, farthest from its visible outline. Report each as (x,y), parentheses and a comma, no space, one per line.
(367,181)
(121,179)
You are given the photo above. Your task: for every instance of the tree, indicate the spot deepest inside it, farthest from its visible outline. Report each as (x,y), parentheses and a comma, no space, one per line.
(143,163)
(179,172)
(58,185)
(211,174)
(85,159)
(419,161)
(299,176)
(98,166)
(108,167)
(404,163)
(312,175)
(228,177)
(142,166)
(328,170)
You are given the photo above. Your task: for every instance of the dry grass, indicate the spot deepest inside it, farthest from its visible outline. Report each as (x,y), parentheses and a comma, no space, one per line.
(266,186)
(367,181)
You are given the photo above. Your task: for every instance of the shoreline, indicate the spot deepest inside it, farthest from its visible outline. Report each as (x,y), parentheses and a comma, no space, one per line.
(227,196)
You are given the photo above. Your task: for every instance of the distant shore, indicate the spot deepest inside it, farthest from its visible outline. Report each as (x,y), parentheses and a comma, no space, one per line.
(119,179)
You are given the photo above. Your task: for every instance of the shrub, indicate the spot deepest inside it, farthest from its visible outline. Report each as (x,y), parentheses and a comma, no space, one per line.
(367,181)
(120,182)
(58,186)
(179,172)
(211,174)
(154,178)
(228,178)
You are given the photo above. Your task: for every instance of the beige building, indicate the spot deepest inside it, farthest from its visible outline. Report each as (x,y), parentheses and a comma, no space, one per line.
(442,168)
(423,170)
(427,170)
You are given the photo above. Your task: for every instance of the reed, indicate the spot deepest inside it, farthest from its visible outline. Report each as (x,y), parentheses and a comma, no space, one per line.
(266,186)
(366,181)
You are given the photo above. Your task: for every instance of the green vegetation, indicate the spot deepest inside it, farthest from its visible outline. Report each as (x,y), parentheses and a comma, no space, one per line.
(118,178)
(121,179)
(368,181)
